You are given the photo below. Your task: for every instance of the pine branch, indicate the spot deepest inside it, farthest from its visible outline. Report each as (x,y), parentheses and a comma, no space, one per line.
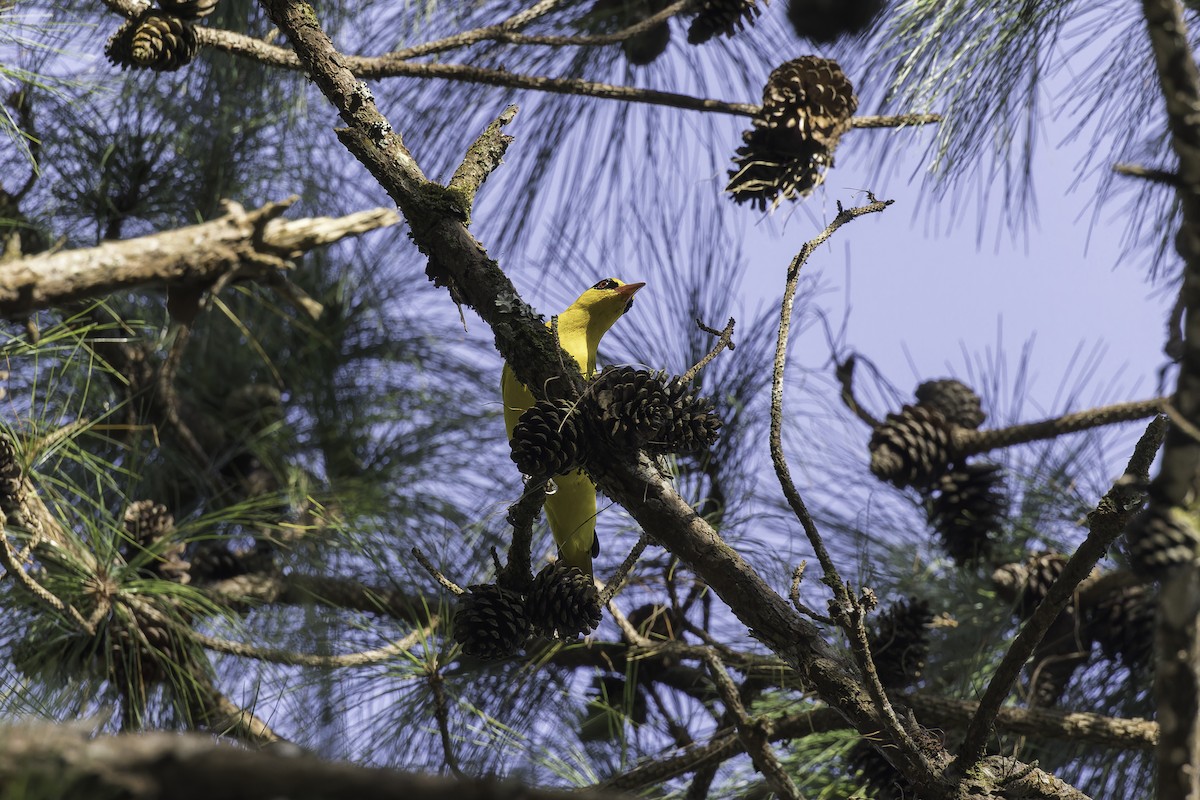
(277,656)
(1177,680)
(1039,724)
(970,442)
(73,764)
(246,244)
(398,64)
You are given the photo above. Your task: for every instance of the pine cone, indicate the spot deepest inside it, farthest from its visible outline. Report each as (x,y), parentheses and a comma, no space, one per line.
(149,524)
(826,21)
(645,48)
(563,600)
(900,642)
(1025,585)
(147,521)
(628,407)
(1160,539)
(1123,625)
(692,424)
(212,562)
(548,440)
(142,652)
(153,40)
(188,9)
(615,15)
(807,106)
(491,623)
(722,16)
(911,448)
(958,402)
(967,510)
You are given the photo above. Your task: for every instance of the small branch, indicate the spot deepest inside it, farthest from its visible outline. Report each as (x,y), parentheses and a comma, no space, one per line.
(397,65)
(518,573)
(441,711)
(627,630)
(259,588)
(853,621)
(844,371)
(724,339)
(778,460)
(40,593)
(794,596)
(170,398)
(969,442)
(1038,723)
(277,656)
(601,39)
(482,159)
(500,31)
(293,295)
(1163,176)
(1105,523)
(618,579)
(753,734)
(212,710)
(445,582)
(895,120)
(723,745)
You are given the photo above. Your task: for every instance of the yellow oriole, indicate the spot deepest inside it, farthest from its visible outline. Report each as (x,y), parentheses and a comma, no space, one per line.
(571,509)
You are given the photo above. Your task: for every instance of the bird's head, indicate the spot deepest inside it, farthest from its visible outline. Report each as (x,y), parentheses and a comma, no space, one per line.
(607,300)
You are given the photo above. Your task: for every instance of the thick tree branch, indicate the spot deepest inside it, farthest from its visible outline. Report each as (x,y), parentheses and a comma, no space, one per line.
(1177,671)
(251,244)
(162,766)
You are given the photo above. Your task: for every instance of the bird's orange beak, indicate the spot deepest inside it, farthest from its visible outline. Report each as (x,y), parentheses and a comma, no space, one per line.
(628,290)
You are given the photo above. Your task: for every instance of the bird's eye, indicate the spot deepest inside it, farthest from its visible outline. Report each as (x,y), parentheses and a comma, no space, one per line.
(607,283)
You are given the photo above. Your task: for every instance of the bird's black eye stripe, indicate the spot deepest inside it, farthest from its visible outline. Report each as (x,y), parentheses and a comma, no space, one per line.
(607,283)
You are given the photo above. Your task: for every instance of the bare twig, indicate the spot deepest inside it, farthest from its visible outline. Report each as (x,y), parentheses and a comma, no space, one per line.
(753,733)
(724,339)
(1163,176)
(969,442)
(844,370)
(618,578)
(170,398)
(794,596)
(441,711)
(853,621)
(518,572)
(445,582)
(778,460)
(278,656)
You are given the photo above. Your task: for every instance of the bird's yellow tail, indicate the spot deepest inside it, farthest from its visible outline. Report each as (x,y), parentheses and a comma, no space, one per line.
(571,512)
